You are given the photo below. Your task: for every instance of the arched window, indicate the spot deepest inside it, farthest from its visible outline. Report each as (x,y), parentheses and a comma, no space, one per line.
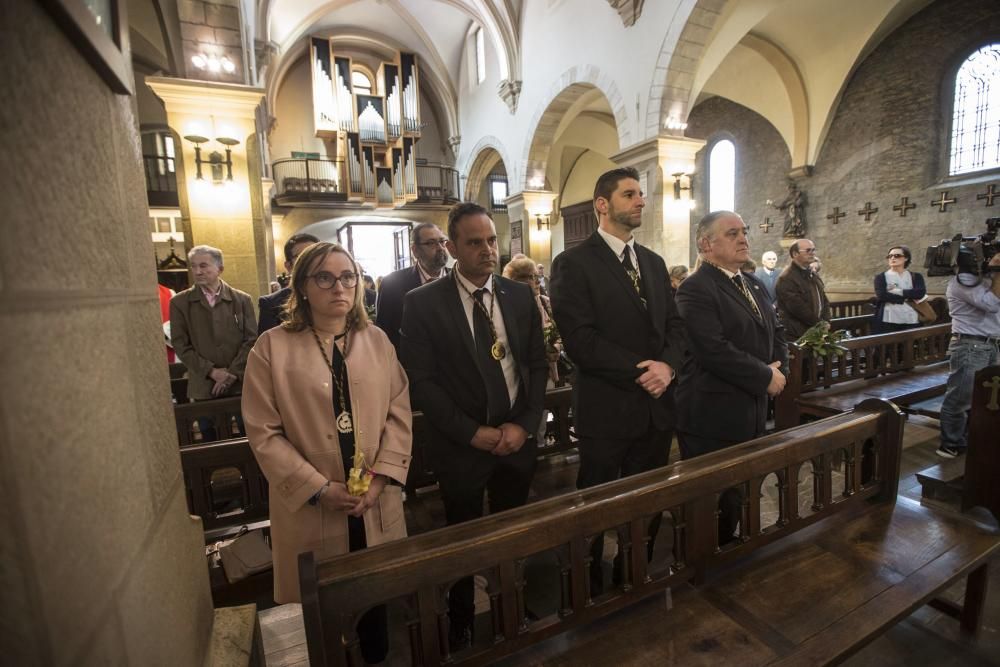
(722,176)
(480,56)
(975,127)
(360,82)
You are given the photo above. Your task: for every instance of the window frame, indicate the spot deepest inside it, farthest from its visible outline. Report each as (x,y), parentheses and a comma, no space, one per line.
(708,170)
(479,54)
(949,100)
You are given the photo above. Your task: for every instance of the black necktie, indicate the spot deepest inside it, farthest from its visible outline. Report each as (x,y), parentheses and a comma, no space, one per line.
(497,396)
(745,291)
(633,275)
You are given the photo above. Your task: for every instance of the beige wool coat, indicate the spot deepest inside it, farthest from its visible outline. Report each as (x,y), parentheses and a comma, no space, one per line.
(290,422)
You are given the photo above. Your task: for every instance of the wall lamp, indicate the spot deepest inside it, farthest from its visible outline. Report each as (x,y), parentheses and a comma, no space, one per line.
(214,160)
(677,184)
(213,63)
(543,220)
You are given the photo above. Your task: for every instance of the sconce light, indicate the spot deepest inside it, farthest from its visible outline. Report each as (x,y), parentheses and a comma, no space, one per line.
(214,160)
(213,63)
(542,220)
(677,185)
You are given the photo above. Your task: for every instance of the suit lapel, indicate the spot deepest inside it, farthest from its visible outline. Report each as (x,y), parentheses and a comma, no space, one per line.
(453,303)
(501,294)
(654,305)
(729,288)
(613,264)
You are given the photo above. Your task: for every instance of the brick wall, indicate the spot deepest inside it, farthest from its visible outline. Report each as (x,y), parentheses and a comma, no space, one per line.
(888,139)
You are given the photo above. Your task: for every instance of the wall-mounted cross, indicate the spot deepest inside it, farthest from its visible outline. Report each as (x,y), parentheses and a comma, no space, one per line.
(766,225)
(868,211)
(990,195)
(942,203)
(994,384)
(903,206)
(836,215)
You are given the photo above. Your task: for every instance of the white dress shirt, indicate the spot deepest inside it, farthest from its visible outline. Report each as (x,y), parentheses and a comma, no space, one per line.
(619,247)
(468,303)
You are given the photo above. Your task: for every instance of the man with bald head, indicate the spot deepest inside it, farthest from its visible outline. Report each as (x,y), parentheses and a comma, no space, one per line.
(736,347)
(767,273)
(801,293)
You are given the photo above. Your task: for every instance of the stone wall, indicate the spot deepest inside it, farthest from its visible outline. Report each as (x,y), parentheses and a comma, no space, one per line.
(888,139)
(100,563)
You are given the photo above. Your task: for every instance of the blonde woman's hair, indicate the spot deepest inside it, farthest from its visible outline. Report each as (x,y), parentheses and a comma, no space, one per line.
(520,266)
(298,317)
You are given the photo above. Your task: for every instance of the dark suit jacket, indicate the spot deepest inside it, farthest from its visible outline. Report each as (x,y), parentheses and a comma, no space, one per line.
(722,394)
(606,332)
(439,355)
(797,300)
(389,309)
(270,307)
(768,281)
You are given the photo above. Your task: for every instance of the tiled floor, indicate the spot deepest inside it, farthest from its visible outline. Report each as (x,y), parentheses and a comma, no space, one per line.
(925,638)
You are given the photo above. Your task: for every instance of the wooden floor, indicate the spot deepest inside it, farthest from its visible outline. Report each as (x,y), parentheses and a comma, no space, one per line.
(925,638)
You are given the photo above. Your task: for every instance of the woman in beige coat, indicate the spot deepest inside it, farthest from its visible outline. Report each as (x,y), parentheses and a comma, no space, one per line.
(316,390)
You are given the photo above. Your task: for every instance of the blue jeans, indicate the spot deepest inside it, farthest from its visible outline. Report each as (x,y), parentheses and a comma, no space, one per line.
(967,357)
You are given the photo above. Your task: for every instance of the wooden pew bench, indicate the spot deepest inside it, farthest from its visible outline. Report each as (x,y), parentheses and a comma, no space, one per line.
(834,569)
(904,367)
(226,488)
(224,414)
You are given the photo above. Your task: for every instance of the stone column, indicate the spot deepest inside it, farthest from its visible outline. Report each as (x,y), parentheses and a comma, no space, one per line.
(666,221)
(529,206)
(230,215)
(100,562)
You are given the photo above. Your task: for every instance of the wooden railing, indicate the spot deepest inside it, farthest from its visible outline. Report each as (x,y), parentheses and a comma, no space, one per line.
(309,179)
(853,308)
(863,447)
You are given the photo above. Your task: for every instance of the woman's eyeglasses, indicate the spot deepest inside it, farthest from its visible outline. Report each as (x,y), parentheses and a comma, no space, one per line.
(894,255)
(326,280)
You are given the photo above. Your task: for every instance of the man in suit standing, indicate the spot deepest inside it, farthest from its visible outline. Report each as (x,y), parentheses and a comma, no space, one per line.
(736,350)
(801,294)
(472,347)
(427,247)
(271,305)
(614,308)
(767,274)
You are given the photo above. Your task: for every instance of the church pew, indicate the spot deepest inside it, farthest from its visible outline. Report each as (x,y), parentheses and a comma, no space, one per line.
(982,462)
(828,575)
(858,325)
(224,485)
(852,308)
(904,367)
(223,412)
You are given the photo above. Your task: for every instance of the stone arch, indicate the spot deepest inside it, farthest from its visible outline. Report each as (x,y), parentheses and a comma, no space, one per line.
(481,159)
(566,90)
(680,53)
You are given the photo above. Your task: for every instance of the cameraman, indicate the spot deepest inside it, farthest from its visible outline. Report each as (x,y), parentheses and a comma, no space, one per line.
(974,304)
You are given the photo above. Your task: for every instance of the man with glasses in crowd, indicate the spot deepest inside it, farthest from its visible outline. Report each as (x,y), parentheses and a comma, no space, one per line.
(271,305)
(801,293)
(427,247)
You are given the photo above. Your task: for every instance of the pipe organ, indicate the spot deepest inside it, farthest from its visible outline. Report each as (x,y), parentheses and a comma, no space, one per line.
(373,133)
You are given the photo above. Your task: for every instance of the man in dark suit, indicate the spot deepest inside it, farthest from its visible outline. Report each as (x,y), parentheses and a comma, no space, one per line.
(427,247)
(768,274)
(271,305)
(472,347)
(736,350)
(613,306)
(802,300)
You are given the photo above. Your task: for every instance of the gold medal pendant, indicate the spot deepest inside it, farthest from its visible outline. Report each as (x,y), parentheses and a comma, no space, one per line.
(344,423)
(498,351)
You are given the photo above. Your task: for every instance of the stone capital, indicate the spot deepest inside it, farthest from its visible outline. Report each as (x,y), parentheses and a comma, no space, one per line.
(510,92)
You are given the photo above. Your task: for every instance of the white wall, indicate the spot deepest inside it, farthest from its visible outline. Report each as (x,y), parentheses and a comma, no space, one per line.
(556,38)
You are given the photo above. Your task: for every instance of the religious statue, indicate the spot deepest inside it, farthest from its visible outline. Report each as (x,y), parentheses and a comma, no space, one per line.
(793,207)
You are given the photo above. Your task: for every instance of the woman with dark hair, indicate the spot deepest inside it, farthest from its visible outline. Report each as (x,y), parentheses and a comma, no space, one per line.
(327,413)
(892,290)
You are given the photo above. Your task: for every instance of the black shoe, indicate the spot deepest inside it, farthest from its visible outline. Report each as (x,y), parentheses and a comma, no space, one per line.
(948,452)
(459,638)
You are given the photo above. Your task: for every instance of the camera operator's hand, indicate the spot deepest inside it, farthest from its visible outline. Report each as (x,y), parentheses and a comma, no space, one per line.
(995,262)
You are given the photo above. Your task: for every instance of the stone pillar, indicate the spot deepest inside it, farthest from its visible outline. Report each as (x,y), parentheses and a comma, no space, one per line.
(666,221)
(230,215)
(100,562)
(529,206)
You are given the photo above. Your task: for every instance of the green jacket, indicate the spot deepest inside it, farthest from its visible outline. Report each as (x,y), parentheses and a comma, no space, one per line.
(205,337)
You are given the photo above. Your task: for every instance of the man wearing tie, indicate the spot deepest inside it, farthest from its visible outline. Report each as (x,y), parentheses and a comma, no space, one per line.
(736,348)
(767,273)
(613,306)
(472,346)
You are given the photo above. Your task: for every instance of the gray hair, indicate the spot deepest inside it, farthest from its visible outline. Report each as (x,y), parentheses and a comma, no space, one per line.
(215,253)
(706,226)
(419,229)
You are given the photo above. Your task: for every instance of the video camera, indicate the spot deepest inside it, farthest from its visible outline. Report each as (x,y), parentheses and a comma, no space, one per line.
(965,254)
